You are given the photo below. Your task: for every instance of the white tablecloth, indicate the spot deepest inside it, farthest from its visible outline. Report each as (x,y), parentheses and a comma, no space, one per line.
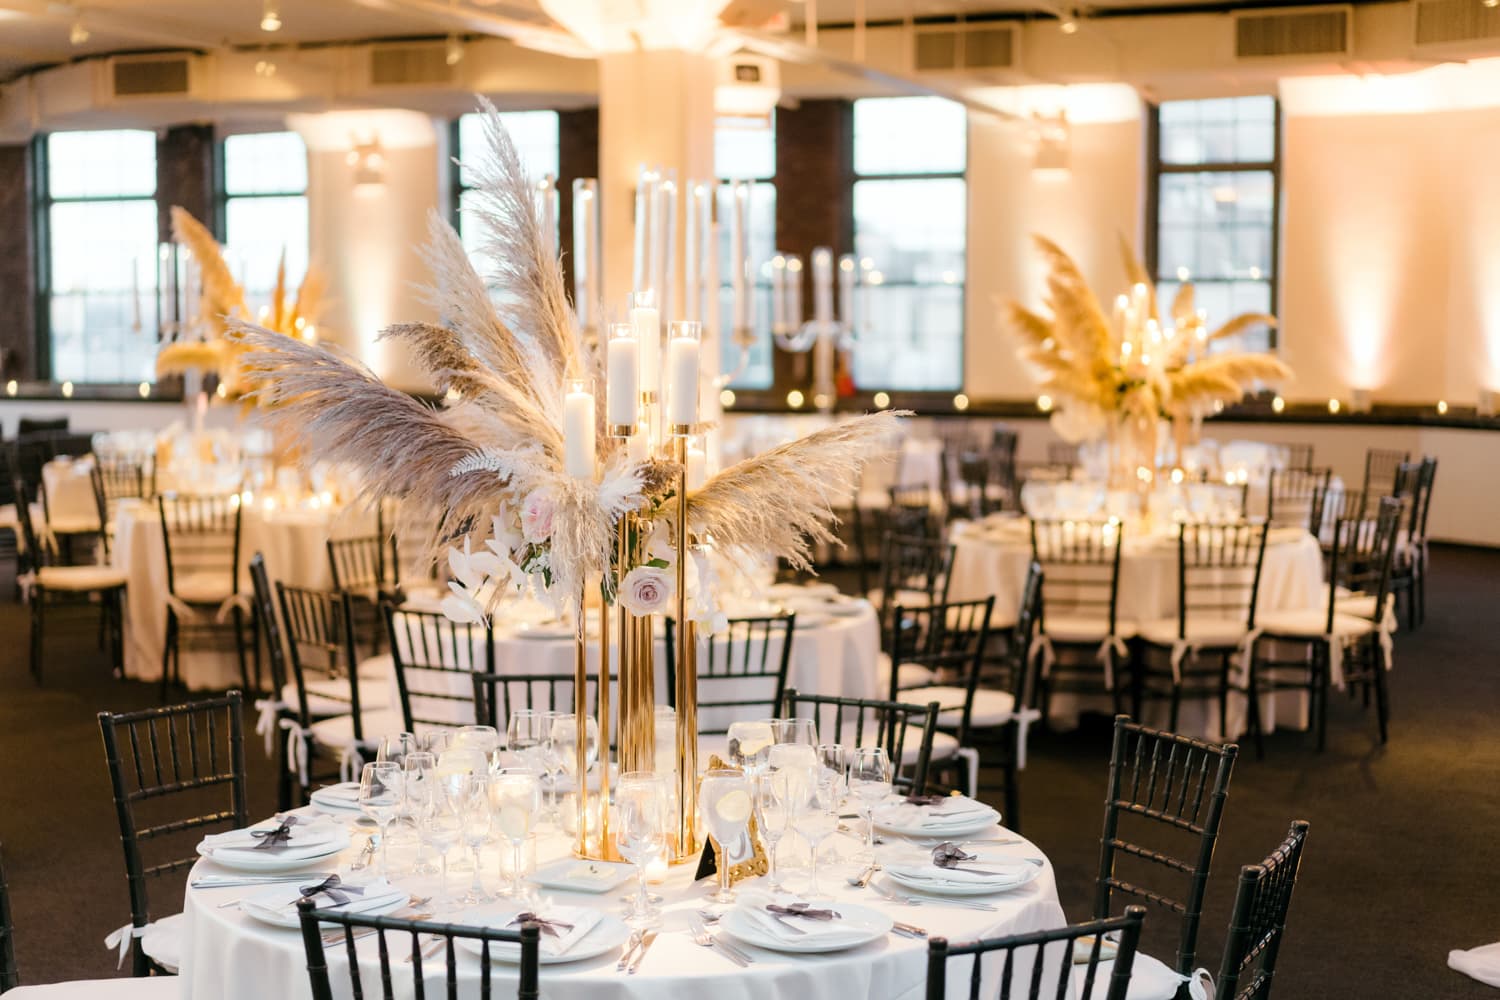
(992,559)
(70,495)
(295,546)
(229,956)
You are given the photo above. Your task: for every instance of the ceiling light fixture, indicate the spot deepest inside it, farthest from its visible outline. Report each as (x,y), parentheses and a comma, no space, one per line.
(78,33)
(1492,3)
(270,16)
(1067,23)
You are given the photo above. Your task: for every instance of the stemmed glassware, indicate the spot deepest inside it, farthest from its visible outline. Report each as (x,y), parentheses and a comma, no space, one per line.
(471,801)
(444,825)
(380,799)
(551,762)
(395,747)
(817,819)
(516,797)
(794,731)
(749,747)
(835,762)
(485,739)
(870,781)
(725,799)
(565,741)
(525,734)
(641,834)
(418,775)
(773,814)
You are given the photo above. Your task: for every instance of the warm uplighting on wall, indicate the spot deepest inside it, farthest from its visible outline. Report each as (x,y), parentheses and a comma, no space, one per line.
(1067,23)
(794,399)
(1053,138)
(882,400)
(368,161)
(960,402)
(726,398)
(453,51)
(1334,406)
(1044,403)
(1484,406)
(1278,404)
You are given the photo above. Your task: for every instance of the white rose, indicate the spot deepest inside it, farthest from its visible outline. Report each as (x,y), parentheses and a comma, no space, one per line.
(647,590)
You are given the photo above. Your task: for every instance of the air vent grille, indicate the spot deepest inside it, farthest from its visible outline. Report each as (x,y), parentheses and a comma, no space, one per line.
(409,65)
(939,50)
(1278,34)
(1442,22)
(150,77)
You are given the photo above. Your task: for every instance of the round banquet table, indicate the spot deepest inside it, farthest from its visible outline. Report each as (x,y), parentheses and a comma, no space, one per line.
(991,557)
(295,546)
(227,955)
(831,654)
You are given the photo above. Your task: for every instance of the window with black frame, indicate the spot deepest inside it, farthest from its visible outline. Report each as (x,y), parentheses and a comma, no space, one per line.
(536,138)
(910,234)
(96,259)
(1215,186)
(265,211)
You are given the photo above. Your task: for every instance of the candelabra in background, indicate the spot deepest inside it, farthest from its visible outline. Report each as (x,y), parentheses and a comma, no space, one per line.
(823,335)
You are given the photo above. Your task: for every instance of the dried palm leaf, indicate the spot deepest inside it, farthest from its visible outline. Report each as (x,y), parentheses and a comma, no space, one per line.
(309,304)
(183,356)
(222,298)
(782,501)
(1078,323)
(1225,378)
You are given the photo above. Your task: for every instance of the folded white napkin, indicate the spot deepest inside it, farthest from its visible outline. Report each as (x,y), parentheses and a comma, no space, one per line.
(954,812)
(786,927)
(989,870)
(278,903)
(343,792)
(305,838)
(556,938)
(1482,963)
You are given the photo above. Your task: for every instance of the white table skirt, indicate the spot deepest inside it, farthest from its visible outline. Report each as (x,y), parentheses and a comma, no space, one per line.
(295,547)
(836,655)
(229,956)
(993,560)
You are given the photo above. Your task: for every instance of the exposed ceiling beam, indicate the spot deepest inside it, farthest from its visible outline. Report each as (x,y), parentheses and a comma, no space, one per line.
(521,25)
(161,31)
(788,51)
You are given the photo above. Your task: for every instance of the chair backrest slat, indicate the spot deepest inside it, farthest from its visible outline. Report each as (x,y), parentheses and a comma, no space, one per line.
(748,661)
(434,657)
(876,722)
(1259,922)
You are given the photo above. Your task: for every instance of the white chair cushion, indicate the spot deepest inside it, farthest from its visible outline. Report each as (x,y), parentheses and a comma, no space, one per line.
(1347,602)
(74,525)
(338,732)
(163,942)
(991,708)
(79,578)
(379,667)
(203,588)
(124,988)
(901,596)
(1311,623)
(911,673)
(944,747)
(330,697)
(1150,979)
(1205,633)
(1084,628)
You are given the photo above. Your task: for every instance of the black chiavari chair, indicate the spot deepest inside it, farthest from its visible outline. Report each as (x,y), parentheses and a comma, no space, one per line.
(1368,547)
(9,976)
(1381,465)
(1218,582)
(1175,787)
(873,722)
(42,425)
(368,568)
(496,696)
(1062,454)
(51,586)
(1298,454)
(1083,640)
(1409,571)
(949,642)
(434,658)
(1295,498)
(1004,443)
(914,570)
(201,541)
(282,703)
(748,662)
(1052,950)
(976,491)
(186,754)
(114,480)
(523,941)
(1259,922)
(11,542)
(910,512)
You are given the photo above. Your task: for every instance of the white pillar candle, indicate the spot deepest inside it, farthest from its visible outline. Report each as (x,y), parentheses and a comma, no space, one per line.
(778,292)
(697,467)
(648,335)
(645,188)
(822,271)
(846,292)
(665,281)
(622,391)
(793,294)
(578,431)
(739,243)
(586,250)
(682,363)
(692,252)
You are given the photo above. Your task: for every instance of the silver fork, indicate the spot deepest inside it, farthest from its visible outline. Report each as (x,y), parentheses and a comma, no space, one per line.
(966,904)
(703,937)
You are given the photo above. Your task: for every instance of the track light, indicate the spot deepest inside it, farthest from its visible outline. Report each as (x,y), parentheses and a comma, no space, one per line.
(78,33)
(1067,23)
(270,16)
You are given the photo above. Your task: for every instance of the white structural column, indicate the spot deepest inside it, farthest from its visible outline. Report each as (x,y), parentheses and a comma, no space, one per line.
(656,109)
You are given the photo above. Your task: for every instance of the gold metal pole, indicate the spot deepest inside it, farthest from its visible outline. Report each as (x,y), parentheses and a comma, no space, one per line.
(687,669)
(580,714)
(607,849)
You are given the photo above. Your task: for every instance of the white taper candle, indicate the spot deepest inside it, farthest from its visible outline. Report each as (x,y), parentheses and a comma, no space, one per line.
(578,430)
(622,391)
(648,335)
(682,362)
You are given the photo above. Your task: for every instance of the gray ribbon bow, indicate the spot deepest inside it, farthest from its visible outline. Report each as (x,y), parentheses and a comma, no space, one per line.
(547,926)
(801,910)
(279,837)
(948,855)
(333,887)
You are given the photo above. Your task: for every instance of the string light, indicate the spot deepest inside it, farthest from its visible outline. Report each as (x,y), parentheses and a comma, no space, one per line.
(960,402)
(794,398)
(453,51)
(1334,406)
(1442,407)
(882,400)
(1044,403)
(1278,404)
(726,398)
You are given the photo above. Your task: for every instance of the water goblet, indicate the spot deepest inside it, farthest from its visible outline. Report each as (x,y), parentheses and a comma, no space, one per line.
(419,777)
(380,798)
(870,781)
(443,827)
(395,747)
(641,834)
(469,792)
(524,734)
(835,761)
(551,762)
(817,818)
(794,731)
(516,800)
(565,737)
(749,747)
(726,804)
(773,815)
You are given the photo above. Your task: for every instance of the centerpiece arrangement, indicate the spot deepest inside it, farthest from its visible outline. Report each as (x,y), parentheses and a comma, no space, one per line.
(1119,377)
(532,485)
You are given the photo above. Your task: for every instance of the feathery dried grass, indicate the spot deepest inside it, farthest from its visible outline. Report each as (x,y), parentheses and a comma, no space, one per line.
(1078,323)
(782,501)
(222,298)
(183,356)
(1223,378)
(1240,324)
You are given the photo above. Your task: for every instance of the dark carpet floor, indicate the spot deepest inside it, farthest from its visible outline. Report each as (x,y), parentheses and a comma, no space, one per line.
(1402,863)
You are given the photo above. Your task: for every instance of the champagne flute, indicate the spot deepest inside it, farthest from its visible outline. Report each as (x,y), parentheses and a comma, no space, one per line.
(524,734)
(444,826)
(516,798)
(773,815)
(473,806)
(835,761)
(641,834)
(726,805)
(418,774)
(551,762)
(794,731)
(817,819)
(394,748)
(870,781)
(380,798)
(565,735)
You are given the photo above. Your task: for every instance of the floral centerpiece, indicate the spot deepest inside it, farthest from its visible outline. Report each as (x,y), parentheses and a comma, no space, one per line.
(1120,376)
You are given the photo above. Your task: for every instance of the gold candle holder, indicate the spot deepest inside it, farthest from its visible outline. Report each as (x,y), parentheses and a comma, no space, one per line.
(689,842)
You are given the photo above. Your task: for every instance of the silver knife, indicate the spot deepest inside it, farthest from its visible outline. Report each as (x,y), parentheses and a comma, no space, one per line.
(646,942)
(630,947)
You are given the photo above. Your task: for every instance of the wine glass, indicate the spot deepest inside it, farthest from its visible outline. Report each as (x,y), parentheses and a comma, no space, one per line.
(394,748)
(565,737)
(380,798)
(525,734)
(418,773)
(835,761)
(750,747)
(551,762)
(471,801)
(726,804)
(641,834)
(439,741)
(773,814)
(817,818)
(794,731)
(485,739)
(870,781)
(516,798)
(444,824)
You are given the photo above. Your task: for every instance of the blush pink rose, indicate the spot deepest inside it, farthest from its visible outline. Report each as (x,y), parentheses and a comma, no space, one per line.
(537,511)
(647,590)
